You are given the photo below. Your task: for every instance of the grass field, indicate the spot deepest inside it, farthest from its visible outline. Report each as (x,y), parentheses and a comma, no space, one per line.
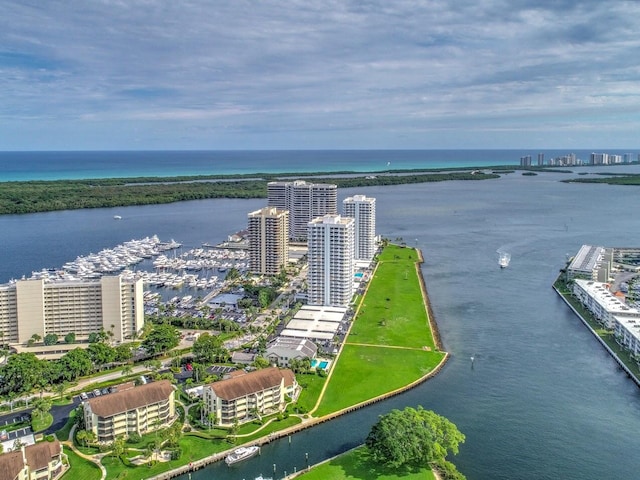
(81,468)
(390,344)
(356,464)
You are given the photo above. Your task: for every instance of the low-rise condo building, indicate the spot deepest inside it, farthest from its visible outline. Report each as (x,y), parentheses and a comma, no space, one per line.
(603,304)
(282,350)
(40,461)
(140,410)
(244,397)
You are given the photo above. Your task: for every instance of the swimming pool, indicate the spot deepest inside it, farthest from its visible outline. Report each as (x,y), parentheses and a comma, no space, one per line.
(358,275)
(323,364)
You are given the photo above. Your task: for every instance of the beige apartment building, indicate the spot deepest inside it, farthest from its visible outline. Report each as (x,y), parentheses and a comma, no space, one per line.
(36,306)
(246,395)
(138,410)
(268,240)
(305,201)
(40,461)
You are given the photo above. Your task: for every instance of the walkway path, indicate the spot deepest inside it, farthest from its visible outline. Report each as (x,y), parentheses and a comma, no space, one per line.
(91,458)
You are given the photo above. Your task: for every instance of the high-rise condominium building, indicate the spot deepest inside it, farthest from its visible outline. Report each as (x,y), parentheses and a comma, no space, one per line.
(363,210)
(36,306)
(305,201)
(330,258)
(268,240)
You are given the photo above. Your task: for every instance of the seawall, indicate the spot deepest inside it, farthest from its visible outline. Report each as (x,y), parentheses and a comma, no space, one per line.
(602,342)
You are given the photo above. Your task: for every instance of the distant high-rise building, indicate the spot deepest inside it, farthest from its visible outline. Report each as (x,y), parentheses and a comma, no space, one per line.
(363,210)
(268,240)
(331,260)
(305,201)
(525,161)
(540,159)
(599,159)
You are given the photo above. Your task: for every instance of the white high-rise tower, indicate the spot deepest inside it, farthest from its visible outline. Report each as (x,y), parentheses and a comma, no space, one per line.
(363,210)
(268,240)
(331,260)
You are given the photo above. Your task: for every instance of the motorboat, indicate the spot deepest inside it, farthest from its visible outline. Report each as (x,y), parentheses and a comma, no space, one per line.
(504,259)
(241,453)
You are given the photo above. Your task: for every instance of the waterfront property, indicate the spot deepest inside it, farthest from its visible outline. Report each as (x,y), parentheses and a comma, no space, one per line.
(602,303)
(244,397)
(40,307)
(41,461)
(138,410)
(390,344)
(304,201)
(331,260)
(268,240)
(363,210)
(592,263)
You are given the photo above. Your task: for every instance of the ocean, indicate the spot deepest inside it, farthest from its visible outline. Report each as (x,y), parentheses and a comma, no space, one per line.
(18,166)
(542,399)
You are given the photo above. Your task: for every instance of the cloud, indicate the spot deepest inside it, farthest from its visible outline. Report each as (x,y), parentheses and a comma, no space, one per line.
(312,68)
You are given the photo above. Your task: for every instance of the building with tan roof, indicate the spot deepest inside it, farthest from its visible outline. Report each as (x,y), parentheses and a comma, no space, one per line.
(138,410)
(242,398)
(41,461)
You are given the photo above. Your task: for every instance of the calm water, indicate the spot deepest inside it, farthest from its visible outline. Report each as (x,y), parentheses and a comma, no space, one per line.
(74,165)
(542,400)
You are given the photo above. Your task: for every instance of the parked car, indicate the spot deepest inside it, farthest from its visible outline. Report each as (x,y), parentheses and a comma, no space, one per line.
(105,391)
(84,396)
(96,392)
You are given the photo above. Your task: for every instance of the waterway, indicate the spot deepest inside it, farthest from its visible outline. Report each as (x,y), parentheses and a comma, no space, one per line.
(542,399)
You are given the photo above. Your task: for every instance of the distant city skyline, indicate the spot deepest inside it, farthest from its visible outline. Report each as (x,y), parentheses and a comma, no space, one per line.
(203,75)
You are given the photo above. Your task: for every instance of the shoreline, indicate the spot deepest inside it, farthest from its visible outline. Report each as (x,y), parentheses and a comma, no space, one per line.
(613,354)
(311,422)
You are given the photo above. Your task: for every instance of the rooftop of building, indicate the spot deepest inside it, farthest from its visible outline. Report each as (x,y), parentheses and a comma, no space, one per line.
(252,382)
(124,401)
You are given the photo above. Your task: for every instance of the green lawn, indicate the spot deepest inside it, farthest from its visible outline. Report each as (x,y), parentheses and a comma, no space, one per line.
(365,372)
(390,344)
(356,464)
(393,311)
(41,422)
(81,468)
(311,387)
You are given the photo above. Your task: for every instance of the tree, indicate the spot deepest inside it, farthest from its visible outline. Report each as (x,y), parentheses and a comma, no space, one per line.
(208,349)
(123,353)
(100,354)
(413,437)
(50,339)
(70,338)
(21,373)
(162,338)
(261,362)
(75,363)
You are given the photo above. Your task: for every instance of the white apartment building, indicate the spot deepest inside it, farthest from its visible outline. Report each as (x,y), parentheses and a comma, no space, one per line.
(36,306)
(305,201)
(331,260)
(603,304)
(268,240)
(363,210)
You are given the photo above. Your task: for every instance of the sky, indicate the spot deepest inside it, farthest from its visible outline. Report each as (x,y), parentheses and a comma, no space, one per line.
(308,74)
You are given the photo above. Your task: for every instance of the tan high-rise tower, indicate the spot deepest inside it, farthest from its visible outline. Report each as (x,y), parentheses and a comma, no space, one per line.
(268,240)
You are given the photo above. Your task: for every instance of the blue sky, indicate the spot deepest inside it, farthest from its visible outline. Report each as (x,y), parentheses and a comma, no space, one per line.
(306,74)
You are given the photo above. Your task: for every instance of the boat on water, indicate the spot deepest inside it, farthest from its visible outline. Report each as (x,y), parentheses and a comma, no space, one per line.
(241,453)
(263,478)
(117,217)
(504,259)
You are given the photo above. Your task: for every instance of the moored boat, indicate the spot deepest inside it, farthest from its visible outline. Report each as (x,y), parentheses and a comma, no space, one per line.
(241,453)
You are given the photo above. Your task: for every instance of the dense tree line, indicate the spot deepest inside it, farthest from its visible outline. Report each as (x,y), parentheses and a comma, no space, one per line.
(609,179)
(24,373)
(42,196)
